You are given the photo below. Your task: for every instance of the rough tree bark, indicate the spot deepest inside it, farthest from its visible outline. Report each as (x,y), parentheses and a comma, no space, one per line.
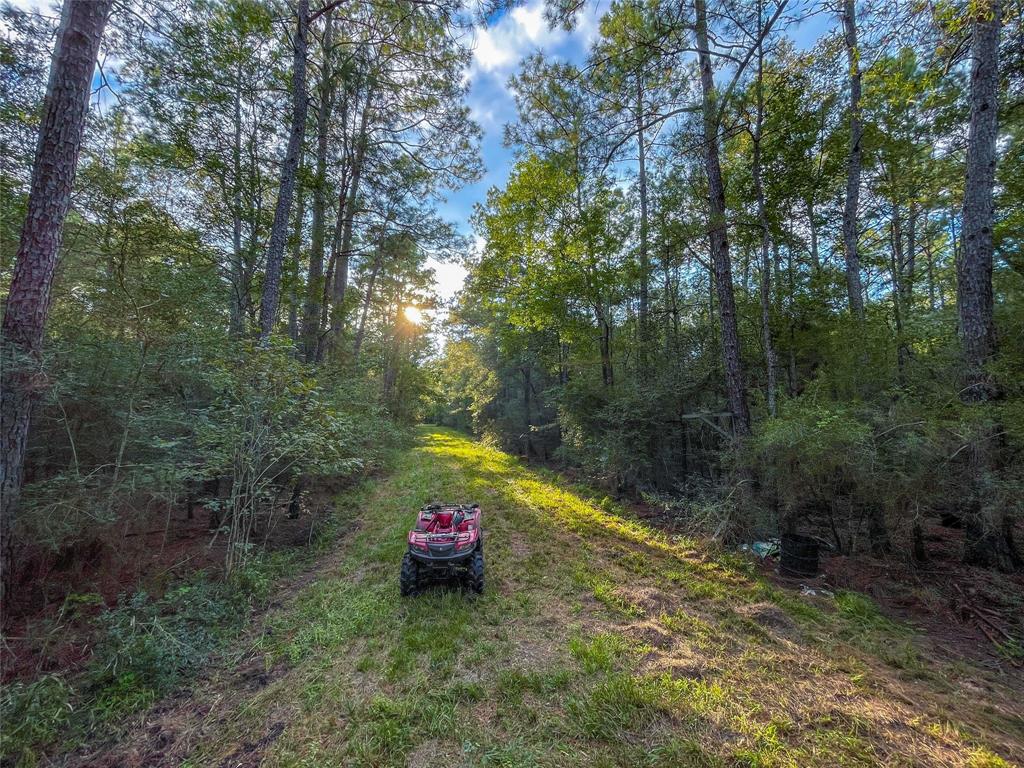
(987,542)
(28,300)
(974,265)
(853,167)
(300,220)
(286,191)
(734,385)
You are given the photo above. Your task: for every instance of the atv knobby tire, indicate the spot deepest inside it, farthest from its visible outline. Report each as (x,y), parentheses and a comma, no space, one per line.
(475,577)
(409,581)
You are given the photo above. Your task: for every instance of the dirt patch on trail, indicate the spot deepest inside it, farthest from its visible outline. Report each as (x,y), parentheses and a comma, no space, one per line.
(532,654)
(651,634)
(652,601)
(517,545)
(250,753)
(771,618)
(435,754)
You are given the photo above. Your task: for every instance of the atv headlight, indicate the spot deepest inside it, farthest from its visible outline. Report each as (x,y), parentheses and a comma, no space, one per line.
(463,543)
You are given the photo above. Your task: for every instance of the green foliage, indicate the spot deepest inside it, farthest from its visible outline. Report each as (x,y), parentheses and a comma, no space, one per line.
(465,388)
(33,713)
(810,451)
(147,646)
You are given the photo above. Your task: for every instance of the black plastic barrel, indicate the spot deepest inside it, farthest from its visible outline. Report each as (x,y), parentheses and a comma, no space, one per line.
(799,555)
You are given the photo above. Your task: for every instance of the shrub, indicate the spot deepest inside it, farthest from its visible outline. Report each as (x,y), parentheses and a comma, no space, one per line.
(33,713)
(147,646)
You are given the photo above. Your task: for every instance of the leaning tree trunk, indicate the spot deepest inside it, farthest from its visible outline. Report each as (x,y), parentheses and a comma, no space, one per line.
(987,542)
(718,235)
(279,229)
(853,167)
(28,300)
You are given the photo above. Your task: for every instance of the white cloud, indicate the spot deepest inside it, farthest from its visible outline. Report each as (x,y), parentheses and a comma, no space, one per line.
(490,52)
(482,115)
(531,21)
(500,47)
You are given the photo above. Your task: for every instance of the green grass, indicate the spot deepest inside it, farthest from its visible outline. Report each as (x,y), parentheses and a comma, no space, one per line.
(598,642)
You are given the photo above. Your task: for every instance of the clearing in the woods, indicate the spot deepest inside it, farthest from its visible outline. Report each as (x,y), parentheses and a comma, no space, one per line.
(598,642)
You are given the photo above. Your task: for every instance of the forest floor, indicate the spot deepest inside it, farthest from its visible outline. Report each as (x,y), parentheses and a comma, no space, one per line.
(599,641)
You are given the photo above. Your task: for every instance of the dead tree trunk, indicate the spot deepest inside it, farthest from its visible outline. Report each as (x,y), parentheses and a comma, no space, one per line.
(28,300)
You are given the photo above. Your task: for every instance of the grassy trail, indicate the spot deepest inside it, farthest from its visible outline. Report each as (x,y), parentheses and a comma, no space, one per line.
(598,642)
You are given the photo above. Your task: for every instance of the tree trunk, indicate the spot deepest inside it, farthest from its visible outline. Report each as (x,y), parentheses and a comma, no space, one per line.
(343,233)
(293,293)
(974,267)
(607,368)
(734,386)
(239,286)
(645,266)
(812,226)
(527,413)
(311,311)
(910,264)
(853,284)
(987,542)
(762,217)
(357,345)
(28,300)
(896,266)
(279,229)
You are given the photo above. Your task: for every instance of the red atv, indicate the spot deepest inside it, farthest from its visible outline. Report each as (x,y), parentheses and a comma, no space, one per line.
(447,541)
